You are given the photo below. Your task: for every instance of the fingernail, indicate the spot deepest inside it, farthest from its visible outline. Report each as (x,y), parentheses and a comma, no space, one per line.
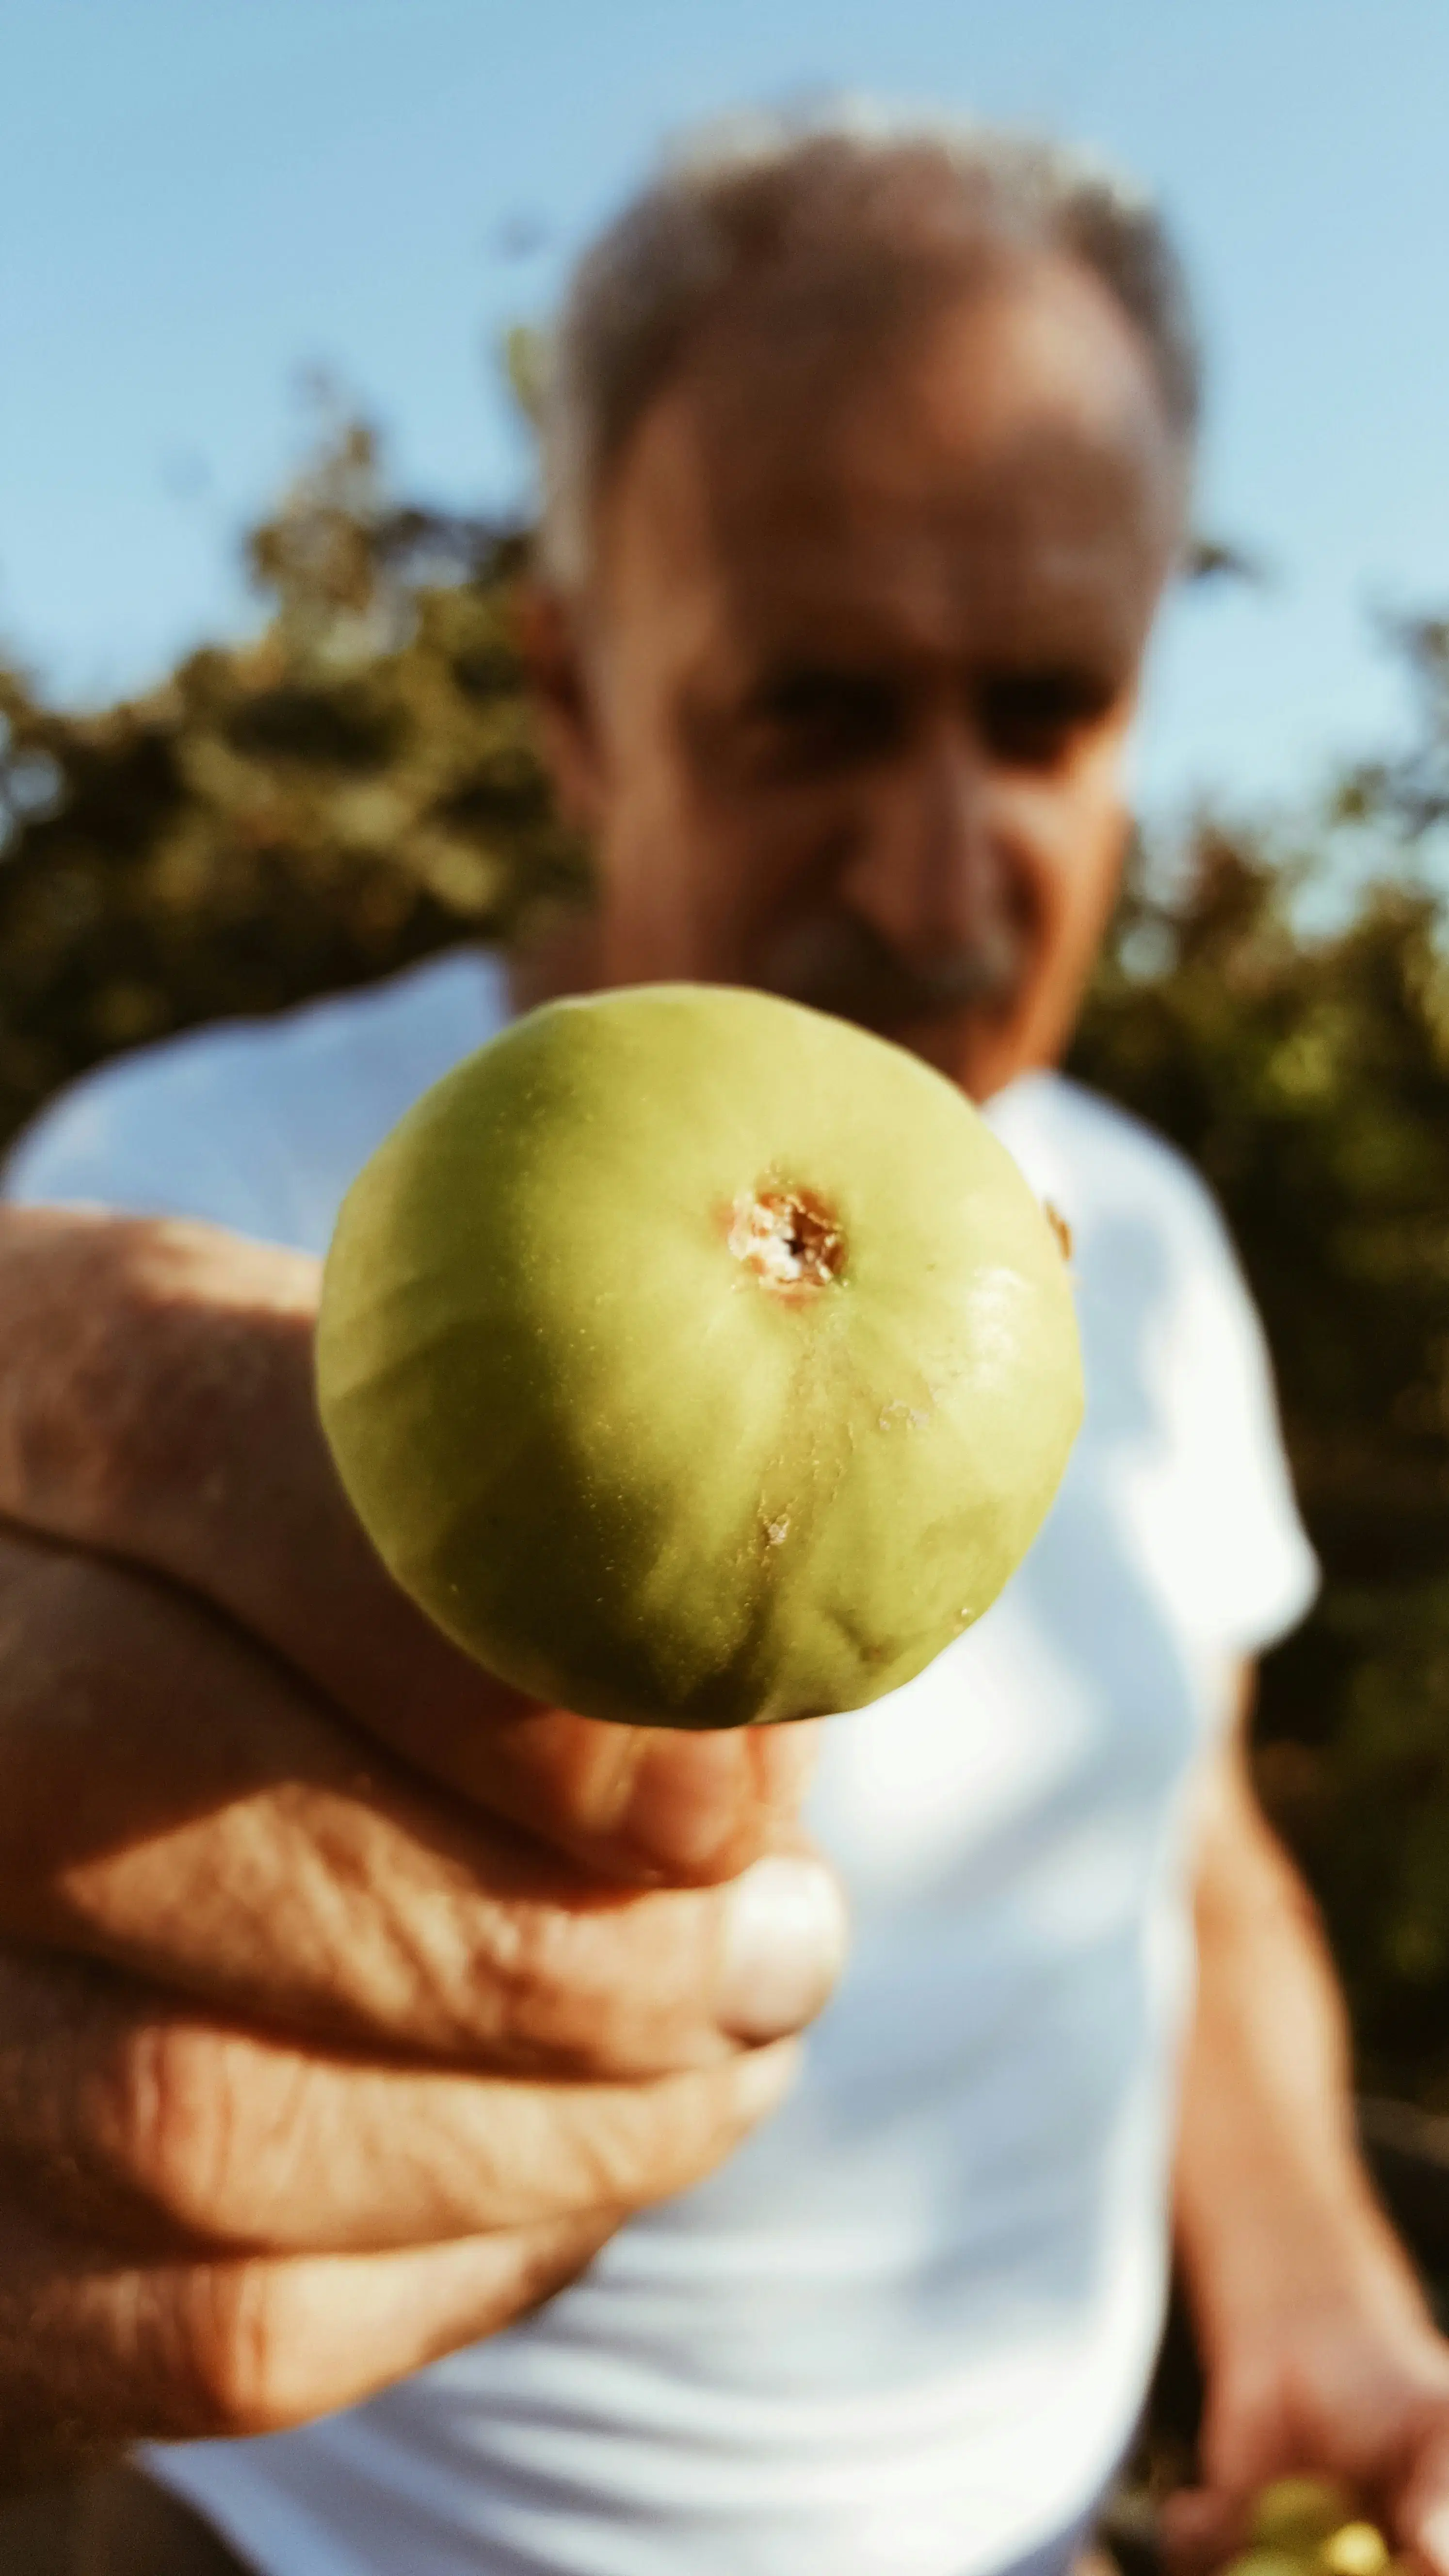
(785,1939)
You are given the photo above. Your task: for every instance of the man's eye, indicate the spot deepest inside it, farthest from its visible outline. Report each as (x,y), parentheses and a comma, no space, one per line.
(1028,718)
(813,716)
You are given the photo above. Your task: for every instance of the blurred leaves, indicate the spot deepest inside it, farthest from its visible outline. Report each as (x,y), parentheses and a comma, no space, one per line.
(358,787)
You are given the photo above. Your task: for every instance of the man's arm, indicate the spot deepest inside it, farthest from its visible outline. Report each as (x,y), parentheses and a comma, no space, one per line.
(1318,2348)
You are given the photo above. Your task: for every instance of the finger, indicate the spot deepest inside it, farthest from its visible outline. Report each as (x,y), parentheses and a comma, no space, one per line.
(1200,2527)
(1246,2438)
(156,2131)
(1420,2513)
(157,1403)
(174,1801)
(95,2353)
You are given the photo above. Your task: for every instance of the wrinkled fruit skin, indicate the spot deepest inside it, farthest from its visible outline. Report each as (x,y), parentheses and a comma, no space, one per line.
(696,1360)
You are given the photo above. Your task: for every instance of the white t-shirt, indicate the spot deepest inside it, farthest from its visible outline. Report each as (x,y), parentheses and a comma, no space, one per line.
(905,2331)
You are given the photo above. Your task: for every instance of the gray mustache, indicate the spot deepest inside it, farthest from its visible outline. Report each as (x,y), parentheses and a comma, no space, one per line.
(840,964)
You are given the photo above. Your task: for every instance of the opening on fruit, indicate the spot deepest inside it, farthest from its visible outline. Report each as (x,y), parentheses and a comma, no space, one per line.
(787,1237)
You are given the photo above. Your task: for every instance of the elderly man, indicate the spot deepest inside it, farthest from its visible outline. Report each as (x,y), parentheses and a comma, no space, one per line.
(351,2004)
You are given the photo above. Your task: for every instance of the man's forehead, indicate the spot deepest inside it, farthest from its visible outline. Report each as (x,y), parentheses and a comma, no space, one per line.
(1052,554)
(1007,484)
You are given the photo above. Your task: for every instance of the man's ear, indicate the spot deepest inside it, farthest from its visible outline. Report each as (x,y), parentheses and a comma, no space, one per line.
(553,662)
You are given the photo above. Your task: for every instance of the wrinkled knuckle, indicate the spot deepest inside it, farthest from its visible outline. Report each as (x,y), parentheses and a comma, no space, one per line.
(641,2146)
(551,1997)
(174,2124)
(576,1991)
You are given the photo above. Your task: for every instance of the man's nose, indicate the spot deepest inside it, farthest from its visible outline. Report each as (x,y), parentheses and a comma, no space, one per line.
(928,873)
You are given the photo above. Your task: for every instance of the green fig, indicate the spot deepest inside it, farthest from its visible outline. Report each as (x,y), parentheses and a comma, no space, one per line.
(697,1359)
(1260,2561)
(1299,2513)
(1355,2549)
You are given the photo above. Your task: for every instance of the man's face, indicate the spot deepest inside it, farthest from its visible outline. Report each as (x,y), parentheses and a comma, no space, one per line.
(853,683)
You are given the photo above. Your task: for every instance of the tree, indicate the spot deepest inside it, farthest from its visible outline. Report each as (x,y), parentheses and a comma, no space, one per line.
(283,818)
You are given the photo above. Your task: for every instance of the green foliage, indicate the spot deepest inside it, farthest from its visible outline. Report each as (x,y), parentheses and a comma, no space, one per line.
(1308,1077)
(360,786)
(292,816)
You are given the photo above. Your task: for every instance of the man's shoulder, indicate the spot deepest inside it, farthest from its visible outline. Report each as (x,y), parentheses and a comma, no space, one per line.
(1099,1164)
(248,1120)
(1181,1410)
(410,1022)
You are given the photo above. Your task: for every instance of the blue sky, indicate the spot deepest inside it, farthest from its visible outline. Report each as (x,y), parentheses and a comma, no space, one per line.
(201,199)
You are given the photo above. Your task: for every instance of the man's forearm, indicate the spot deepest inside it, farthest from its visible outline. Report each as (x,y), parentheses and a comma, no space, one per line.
(1273,2202)
(1319,2351)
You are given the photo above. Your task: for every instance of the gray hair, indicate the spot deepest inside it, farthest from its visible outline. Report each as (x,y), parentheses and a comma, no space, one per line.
(859,218)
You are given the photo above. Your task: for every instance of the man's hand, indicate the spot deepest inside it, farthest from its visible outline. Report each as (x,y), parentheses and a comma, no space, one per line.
(1320,2354)
(347,2000)
(1344,2378)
